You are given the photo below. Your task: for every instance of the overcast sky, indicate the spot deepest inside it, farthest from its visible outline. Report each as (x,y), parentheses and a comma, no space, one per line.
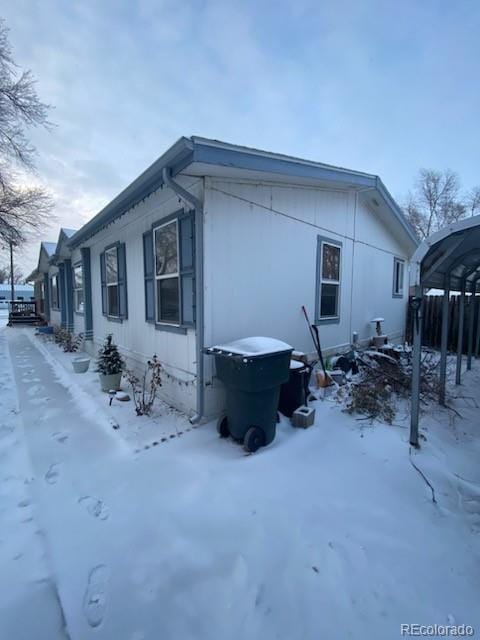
(383,87)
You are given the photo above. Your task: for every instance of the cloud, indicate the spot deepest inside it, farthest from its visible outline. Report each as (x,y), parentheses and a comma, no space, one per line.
(374,86)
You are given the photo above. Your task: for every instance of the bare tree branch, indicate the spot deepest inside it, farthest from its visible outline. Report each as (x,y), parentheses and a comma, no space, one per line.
(473,201)
(435,201)
(23,210)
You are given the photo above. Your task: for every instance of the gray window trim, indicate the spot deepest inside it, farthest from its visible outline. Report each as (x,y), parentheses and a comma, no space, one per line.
(57,285)
(394,293)
(172,328)
(167,326)
(116,245)
(318,280)
(170,218)
(76,265)
(169,276)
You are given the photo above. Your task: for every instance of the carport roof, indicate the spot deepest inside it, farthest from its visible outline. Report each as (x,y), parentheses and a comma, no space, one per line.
(449,257)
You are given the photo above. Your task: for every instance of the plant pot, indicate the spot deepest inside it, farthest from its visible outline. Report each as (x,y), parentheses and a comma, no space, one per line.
(111,381)
(379,341)
(80,365)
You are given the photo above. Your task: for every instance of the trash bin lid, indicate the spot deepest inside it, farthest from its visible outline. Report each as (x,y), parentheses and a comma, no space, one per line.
(296,364)
(254,346)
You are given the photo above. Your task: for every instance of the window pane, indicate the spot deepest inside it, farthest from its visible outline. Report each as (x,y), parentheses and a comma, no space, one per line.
(398,274)
(166,259)
(77,278)
(79,300)
(54,302)
(330,262)
(168,300)
(112,300)
(329,300)
(111,264)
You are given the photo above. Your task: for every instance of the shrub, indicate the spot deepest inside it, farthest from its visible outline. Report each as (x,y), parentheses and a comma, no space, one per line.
(69,341)
(109,360)
(144,390)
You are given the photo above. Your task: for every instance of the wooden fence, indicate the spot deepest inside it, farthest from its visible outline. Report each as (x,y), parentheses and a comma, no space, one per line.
(432,322)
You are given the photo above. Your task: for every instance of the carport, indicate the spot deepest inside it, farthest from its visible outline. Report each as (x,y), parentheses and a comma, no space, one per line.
(450,260)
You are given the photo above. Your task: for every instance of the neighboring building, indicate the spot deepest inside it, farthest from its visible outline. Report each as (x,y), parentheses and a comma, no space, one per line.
(41,282)
(22,293)
(215,242)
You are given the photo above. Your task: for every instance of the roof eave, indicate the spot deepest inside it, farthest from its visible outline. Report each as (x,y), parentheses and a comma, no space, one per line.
(397,212)
(222,155)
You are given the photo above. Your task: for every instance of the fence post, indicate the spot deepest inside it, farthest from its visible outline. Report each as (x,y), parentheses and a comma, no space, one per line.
(416,303)
(444,342)
(477,342)
(461,316)
(471,317)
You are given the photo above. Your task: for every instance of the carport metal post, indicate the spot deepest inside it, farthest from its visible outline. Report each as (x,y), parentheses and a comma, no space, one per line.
(477,342)
(417,305)
(471,318)
(461,317)
(444,342)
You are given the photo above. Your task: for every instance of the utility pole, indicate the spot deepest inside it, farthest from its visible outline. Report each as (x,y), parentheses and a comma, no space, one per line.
(11,273)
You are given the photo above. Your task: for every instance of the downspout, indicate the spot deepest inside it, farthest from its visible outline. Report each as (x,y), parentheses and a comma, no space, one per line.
(199,306)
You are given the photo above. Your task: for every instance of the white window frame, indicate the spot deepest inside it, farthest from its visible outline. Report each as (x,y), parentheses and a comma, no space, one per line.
(167,276)
(113,249)
(55,302)
(397,264)
(76,289)
(327,281)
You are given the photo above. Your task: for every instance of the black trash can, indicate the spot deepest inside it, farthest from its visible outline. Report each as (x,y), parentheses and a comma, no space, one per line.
(293,393)
(252,370)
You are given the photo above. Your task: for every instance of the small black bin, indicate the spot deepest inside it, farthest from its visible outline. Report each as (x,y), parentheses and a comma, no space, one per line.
(293,393)
(252,370)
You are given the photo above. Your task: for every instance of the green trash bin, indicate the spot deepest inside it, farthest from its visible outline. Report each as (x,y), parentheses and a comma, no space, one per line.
(252,370)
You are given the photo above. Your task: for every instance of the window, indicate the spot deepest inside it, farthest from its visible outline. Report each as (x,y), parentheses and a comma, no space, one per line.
(113,273)
(78,297)
(111,264)
(329,268)
(54,288)
(398,269)
(167,274)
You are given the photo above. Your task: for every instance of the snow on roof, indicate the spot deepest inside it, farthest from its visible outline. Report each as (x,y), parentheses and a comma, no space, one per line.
(254,346)
(49,247)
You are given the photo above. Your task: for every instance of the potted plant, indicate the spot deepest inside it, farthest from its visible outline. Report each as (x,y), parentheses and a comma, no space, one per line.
(109,365)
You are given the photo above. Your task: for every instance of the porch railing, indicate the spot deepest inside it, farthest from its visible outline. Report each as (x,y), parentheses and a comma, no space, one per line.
(17,308)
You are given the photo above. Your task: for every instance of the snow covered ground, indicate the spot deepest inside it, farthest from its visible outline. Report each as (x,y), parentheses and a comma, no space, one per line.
(328,533)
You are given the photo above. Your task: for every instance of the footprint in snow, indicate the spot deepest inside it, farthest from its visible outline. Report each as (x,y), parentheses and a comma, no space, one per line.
(95,507)
(6,430)
(95,598)
(23,503)
(52,474)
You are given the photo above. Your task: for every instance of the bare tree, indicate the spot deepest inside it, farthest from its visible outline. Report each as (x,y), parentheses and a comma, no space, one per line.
(18,276)
(473,201)
(22,209)
(435,201)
